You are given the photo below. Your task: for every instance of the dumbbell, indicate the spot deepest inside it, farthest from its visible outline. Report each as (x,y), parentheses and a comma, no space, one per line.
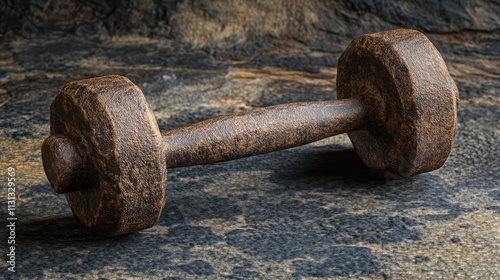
(396,100)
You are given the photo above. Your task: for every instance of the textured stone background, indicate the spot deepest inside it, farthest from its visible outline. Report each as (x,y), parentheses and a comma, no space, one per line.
(311,212)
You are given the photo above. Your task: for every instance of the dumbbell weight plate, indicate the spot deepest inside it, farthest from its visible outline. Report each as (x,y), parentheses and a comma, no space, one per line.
(117,136)
(403,81)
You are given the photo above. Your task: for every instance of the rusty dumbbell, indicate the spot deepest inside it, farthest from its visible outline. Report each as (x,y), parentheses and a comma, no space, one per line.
(397,102)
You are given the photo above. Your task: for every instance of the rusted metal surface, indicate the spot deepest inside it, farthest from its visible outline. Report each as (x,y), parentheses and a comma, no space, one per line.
(400,104)
(121,174)
(261,131)
(411,99)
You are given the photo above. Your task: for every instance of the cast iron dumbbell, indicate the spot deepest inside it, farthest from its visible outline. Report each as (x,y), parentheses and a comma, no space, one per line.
(106,153)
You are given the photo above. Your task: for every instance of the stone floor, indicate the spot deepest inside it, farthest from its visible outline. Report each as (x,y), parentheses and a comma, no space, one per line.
(311,212)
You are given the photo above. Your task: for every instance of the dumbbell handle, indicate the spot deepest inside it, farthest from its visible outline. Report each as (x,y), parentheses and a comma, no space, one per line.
(261,131)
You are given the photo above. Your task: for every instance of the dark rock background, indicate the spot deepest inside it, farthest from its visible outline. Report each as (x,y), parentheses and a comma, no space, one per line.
(305,213)
(251,26)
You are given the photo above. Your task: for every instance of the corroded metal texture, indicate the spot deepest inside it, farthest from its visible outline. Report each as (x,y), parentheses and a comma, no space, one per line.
(261,131)
(411,98)
(116,182)
(107,154)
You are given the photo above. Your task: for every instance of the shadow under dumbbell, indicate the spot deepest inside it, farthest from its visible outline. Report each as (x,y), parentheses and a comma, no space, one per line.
(345,164)
(327,168)
(55,230)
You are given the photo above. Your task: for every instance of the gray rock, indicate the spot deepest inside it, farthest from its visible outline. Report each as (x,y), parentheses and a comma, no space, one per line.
(311,211)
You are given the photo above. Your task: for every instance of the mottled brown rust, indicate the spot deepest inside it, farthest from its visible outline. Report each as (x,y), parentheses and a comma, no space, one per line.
(107,154)
(261,131)
(411,99)
(121,173)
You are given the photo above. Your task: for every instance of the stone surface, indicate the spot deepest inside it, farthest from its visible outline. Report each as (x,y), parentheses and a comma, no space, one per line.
(308,212)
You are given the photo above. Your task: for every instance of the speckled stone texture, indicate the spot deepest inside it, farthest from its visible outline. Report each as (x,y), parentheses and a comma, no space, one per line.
(312,212)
